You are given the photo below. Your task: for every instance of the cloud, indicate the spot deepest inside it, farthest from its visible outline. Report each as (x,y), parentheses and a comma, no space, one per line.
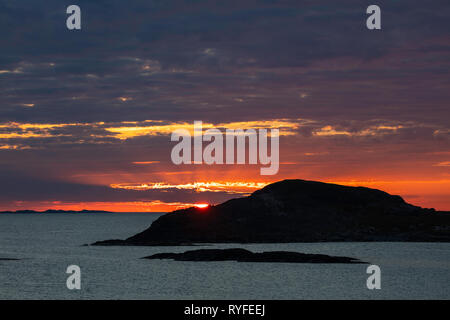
(145,162)
(54,135)
(370,131)
(95,105)
(442,164)
(243,188)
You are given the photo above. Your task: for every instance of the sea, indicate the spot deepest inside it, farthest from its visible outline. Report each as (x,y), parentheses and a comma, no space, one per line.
(46,244)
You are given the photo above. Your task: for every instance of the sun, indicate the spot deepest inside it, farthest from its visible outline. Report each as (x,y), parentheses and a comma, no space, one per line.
(201,205)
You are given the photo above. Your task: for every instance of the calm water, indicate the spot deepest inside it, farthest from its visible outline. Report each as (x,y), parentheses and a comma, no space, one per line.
(47,244)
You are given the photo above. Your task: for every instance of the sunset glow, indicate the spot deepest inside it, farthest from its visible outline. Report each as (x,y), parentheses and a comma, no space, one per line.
(201,205)
(219,186)
(92,128)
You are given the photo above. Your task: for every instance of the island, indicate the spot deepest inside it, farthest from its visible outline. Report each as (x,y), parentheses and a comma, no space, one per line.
(242,255)
(298,211)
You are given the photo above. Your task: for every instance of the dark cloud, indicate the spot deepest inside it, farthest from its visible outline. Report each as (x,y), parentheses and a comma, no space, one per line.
(28,188)
(200,53)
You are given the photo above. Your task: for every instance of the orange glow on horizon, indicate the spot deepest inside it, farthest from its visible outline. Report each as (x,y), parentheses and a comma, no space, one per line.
(132,206)
(201,205)
(424,193)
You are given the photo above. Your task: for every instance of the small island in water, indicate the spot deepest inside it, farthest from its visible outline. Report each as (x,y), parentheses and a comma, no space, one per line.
(242,255)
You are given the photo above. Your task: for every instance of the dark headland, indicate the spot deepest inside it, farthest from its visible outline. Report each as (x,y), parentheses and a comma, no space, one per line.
(298,211)
(242,255)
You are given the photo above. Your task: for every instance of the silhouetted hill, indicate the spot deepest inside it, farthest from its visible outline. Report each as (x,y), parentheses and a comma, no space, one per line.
(298,211)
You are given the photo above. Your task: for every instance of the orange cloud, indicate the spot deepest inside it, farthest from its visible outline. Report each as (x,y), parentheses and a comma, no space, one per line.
(216,186)
(13,147)
(287,127)
(145,162)
(371,131)
(442,164)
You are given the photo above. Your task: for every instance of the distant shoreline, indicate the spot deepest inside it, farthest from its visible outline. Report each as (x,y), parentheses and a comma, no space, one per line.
(50,211)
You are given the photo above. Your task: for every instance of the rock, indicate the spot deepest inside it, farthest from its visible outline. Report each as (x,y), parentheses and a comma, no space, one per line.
(298,211)
(242,255)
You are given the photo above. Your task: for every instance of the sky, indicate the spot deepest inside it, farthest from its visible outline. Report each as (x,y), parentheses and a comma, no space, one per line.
(86,115)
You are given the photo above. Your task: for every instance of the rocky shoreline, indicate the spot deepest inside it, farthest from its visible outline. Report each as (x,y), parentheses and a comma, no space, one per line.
(242,255)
